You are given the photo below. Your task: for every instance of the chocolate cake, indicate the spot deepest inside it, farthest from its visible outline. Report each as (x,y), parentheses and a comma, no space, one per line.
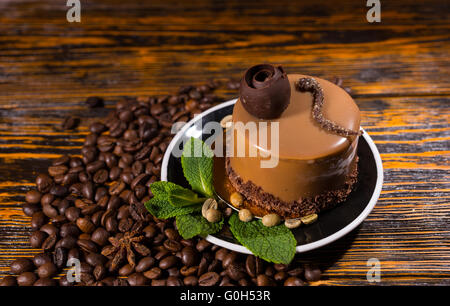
(317,143)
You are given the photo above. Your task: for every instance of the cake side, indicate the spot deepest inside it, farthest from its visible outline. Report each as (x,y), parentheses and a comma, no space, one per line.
(266,202)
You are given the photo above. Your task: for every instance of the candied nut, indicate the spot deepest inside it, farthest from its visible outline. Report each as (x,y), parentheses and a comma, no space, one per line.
(209,203)
(271,220)
(245,215)
(292,223)
(236,199)
(309,218)
(213,215)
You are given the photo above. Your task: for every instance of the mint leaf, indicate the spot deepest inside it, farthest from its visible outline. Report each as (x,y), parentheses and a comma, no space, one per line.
(194,224)
(162,209)
(197,162)
(275,244)
(175,194)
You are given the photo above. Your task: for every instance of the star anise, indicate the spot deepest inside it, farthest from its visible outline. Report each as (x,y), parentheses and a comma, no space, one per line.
(126,246)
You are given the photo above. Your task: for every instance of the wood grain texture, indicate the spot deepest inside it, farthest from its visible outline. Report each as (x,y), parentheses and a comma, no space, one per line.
(398,71)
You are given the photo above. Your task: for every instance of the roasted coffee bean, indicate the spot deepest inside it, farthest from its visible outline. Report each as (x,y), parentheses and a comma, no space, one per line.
(49,229)
(171,234)
(312,273)
(186,271)
(44,183)
(221,254)
(209,279)
(30,209)
(235,271)
(116,188)
(145,264)
(229,259)
(8,281)
(172,245)
(153,273)
(40,259)
(67,242)
(100,236)
(57,170)
(137,279)
(47,270)
(168,262)
(72,213)
(21,265)
(264,280)
(62,206)
(280,276)
(73,253)
(38,219)
(26,279)
(298,271)
(96,217)
(94,102)
(111,224)
(173,281)
(46,282)
(49,211)
(99,272)
(203,266)
(49,242)
(60,257)
(70,123)
(202,245)
(69,229)
(97,128)
(125,225)
(126,270)
(87,245)
(293,281)
(95,259)
(189,256)
(33,197)
(85,225)
(101,176)
(37,238)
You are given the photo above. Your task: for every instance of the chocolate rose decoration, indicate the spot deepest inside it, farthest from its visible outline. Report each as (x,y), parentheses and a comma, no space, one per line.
(265,91)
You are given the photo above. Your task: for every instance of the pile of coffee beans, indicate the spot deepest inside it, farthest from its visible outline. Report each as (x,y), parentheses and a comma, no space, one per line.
(90,208)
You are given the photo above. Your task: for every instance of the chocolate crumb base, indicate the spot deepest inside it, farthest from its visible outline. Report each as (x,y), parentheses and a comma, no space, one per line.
(268,203)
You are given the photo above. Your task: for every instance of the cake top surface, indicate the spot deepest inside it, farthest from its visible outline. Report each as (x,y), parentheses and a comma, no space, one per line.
(300,136)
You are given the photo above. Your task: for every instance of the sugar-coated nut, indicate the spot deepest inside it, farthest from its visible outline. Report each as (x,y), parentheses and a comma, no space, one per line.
(292,223)
(226,121)
(245,215)
(213,215)
(271,220)
(309,218)
(209,203)
(236,199)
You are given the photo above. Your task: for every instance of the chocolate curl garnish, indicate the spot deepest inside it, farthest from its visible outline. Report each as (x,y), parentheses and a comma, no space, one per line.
(312,86)
(265,91)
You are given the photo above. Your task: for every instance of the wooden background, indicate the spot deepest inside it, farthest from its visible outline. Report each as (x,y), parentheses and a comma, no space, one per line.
(398,70)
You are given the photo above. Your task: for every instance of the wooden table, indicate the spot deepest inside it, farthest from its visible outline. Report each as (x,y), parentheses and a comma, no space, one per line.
(397,69)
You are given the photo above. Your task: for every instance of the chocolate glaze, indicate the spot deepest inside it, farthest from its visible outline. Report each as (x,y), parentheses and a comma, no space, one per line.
(312,161)
(265,91)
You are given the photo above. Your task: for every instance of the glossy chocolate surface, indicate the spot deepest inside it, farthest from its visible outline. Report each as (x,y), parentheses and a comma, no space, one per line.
(311,159)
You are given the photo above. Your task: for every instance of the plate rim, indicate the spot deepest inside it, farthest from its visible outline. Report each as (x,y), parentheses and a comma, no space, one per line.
(299,248)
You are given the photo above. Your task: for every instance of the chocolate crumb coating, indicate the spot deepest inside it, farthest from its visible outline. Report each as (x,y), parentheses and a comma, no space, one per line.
(312,86)
(265,91)
(268,203)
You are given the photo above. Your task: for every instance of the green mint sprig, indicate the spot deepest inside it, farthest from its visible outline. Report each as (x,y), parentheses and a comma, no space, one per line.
(197,162)
(275,244)
(194,224)
(171,200)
